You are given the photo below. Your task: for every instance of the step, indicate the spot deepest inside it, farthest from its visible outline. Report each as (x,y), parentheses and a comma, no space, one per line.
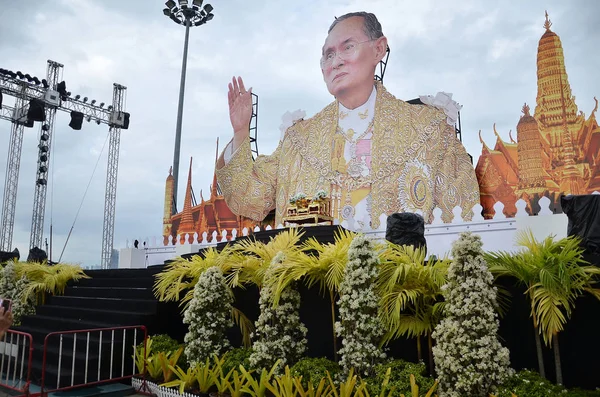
(110,292)
(63,324)
(96,315)
(132,305)
(144,282)
(125,273)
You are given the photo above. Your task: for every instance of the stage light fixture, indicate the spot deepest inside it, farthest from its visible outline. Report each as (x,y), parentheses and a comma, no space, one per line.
(43,168)
(209,17)
(43,149)
(85,99)
(44,137)
(175,19)
(28,77)
(77,96)
(45,127)
(93,101)
(12,74)
(101,104)
(36,81)
(197,3)
(41,181)
(183,3)
(166,11)
(98,121)
(45,83)
(208,8)
(43,158)
(170,4)
(20,75)
(88,118)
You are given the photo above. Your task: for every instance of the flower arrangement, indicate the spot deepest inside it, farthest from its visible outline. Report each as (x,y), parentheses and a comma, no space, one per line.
(208,317)
(280,335)
(469,358)
(15,288)
(297,198)
(320,195)
(360,327)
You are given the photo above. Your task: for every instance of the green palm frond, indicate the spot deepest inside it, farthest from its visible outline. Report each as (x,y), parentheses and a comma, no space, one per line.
(246,326)
(47,279)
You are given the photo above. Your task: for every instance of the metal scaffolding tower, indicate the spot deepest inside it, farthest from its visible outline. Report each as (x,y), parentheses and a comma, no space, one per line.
(53,76)
(110,195)
(50,95)
(11,182)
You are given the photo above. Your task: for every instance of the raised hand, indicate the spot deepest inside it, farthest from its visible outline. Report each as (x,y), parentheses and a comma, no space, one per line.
(240,109)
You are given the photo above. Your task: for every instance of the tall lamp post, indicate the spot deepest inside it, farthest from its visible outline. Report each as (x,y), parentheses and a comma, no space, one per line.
(188,16)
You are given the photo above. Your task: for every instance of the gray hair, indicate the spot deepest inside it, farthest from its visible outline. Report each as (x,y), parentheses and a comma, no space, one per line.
(371,25)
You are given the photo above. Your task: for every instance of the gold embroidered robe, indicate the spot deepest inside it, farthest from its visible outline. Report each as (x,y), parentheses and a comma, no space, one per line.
(417,163)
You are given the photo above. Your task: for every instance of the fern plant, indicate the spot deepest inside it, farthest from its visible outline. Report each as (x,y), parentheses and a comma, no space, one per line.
(44,279)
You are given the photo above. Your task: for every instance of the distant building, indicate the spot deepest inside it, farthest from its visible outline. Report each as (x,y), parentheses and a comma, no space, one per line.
(557,149)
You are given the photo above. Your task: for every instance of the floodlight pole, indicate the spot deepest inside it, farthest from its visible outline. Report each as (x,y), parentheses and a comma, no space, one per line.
(180,117)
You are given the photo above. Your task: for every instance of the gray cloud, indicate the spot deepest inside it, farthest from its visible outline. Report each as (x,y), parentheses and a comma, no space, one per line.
(483,52)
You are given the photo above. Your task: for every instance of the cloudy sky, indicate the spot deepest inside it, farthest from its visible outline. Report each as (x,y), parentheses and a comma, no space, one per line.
(483,52)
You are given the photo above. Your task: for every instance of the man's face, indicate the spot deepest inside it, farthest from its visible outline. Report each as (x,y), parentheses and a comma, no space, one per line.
(344,75)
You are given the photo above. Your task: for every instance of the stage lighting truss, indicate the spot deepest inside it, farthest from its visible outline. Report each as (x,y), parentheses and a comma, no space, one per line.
(54,95)
(185,14)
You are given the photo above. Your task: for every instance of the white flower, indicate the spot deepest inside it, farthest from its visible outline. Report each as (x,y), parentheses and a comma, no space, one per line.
(469,358)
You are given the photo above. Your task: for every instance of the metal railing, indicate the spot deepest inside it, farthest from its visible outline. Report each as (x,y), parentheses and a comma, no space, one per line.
(16,349)
(106,355)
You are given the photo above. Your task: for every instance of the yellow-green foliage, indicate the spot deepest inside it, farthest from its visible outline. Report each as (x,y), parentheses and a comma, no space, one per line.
(47,279)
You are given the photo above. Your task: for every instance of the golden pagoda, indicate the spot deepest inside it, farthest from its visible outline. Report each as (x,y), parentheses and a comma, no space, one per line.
(212,215)
(557,148)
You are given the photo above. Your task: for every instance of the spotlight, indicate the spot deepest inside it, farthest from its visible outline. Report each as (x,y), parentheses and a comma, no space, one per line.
(45,83)
(88,118)
(183,3)
(209,17)
(109,107)
(20,75)
(98,121)
(175,19)
(77,97)
(43,158)
(43,168)
(45,127)
(208,8)
(36,81)
(28,77)
(93,101)
(12,74)
(85,99)
(41,181)
(166,11)
(45,137)
(170,4)
(101,104)
(197,3)
(43,149)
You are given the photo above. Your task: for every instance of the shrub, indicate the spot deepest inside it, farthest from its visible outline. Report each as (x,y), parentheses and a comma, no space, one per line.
(360,326)
(14,288)
(208,316)
(314,369)
(236,357)
(399,377)
(469,358)
(529,384)
(280,335)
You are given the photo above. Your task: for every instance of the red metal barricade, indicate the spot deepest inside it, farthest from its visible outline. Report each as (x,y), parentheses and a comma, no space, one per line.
(16,351)
(72,359)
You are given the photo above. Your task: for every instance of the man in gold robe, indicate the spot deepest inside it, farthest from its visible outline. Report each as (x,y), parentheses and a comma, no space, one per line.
(372,153)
